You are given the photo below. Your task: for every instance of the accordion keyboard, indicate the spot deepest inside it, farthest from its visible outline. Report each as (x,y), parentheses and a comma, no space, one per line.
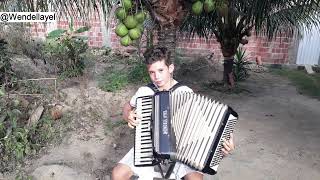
(143,150)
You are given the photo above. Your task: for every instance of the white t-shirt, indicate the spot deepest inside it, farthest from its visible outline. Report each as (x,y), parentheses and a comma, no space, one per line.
(146,91)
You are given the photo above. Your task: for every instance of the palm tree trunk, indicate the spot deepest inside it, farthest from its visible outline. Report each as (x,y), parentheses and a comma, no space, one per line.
(167,37)
(229,49)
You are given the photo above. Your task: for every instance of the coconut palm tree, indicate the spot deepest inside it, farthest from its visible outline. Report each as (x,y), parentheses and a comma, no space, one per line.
(233,20)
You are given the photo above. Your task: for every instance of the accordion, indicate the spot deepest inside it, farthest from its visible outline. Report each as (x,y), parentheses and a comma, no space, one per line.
(182,126)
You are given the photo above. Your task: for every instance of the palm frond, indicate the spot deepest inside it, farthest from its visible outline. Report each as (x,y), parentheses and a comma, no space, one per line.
(268,17)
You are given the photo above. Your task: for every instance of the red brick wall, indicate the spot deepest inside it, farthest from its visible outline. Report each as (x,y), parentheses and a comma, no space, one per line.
(275,51)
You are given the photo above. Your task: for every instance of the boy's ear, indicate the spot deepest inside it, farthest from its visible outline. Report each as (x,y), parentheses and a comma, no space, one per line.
(171,68)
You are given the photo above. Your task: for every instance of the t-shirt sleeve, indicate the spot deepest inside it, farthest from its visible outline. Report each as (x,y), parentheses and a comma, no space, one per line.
(184,89)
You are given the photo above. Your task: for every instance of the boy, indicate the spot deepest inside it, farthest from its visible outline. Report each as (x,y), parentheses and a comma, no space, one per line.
(160,70)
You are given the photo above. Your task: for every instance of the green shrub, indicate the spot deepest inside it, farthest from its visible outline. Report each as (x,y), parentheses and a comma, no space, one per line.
(17,140)
(7,75)
(64,50)
(240,70)
(138,73)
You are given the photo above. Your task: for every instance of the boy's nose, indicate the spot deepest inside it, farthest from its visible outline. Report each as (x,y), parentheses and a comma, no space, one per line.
(157,75)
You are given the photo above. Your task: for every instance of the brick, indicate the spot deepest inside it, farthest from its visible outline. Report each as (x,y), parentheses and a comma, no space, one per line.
(264,50)
(265,55)
(98,38)
(284,45)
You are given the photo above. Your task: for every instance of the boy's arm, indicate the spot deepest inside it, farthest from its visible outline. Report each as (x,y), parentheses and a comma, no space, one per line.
(129,115)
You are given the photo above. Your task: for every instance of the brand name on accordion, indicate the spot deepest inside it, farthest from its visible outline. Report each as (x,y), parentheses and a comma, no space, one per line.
(165,122)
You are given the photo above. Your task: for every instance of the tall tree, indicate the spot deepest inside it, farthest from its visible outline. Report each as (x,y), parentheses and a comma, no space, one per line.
(232,20)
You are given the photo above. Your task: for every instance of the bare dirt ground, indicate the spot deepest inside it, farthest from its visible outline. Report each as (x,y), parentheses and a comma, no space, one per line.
(277,135)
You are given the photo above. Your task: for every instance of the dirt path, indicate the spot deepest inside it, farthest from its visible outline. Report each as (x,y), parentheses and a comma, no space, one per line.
(277,135)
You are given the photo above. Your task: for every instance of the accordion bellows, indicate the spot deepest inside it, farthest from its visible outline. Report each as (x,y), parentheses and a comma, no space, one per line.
(182,126)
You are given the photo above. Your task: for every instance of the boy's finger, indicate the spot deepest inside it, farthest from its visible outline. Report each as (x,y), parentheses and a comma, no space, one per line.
(134,122)
(227,142)
(137,116)
(225,152)
(130,126)
(226,147)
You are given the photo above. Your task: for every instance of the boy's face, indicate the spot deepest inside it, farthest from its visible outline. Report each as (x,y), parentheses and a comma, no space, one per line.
(160,74)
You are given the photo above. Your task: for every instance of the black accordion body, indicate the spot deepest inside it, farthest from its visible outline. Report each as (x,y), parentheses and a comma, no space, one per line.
(184,127)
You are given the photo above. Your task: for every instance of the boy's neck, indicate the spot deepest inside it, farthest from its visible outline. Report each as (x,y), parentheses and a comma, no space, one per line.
(168,86)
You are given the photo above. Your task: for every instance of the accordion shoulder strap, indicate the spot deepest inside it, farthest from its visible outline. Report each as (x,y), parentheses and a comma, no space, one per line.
(155,89)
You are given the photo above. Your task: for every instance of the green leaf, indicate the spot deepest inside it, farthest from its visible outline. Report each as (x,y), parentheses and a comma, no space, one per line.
(2,92)
(71,25)
(82,29)
(84,38)
(56,33)
(27,150)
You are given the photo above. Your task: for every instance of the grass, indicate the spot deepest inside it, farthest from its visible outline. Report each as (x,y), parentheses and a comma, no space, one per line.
(138,73)
(110,125)
(113,80)
(307,84)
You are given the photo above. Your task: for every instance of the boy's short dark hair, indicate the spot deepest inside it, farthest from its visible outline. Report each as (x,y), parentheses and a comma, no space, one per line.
(157,53)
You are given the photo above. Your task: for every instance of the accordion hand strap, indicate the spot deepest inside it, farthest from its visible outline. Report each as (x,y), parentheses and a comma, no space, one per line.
(169,170)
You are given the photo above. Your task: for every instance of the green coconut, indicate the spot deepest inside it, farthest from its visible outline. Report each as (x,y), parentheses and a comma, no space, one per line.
(140,27)
(134,33)
(121,13)
(127,4)
(130,22)
(125,41)
(208,6)
(140,17)
(197,7)
(121,30)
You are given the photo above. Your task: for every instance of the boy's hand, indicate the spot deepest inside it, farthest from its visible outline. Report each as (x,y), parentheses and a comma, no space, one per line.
(132,122)
(228,146)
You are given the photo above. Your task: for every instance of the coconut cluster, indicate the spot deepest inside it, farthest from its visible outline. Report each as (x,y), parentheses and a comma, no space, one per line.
(130,26)
(199,6)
